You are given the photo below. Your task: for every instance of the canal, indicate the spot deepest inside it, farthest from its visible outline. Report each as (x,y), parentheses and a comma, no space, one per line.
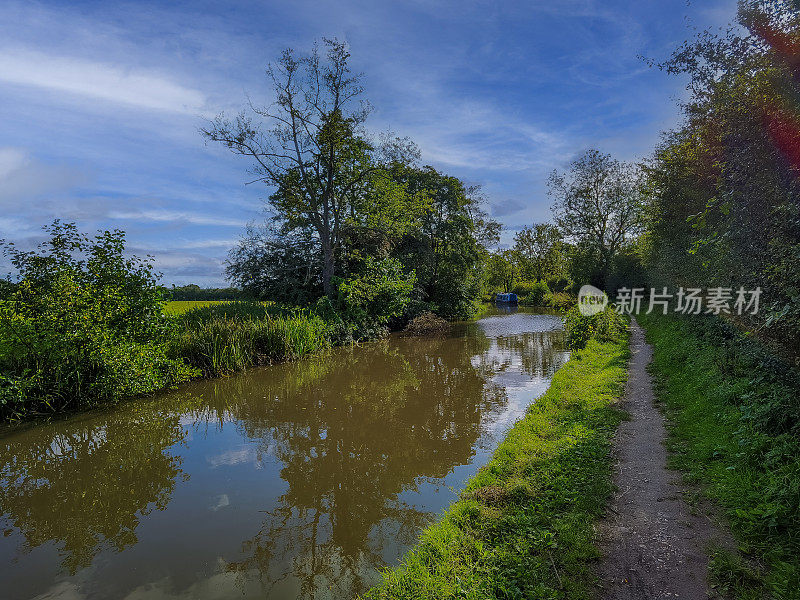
(299,480)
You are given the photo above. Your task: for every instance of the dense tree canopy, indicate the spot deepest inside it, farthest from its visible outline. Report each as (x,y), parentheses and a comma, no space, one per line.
(341,201)
(540,251)
(724,191)
(308,146)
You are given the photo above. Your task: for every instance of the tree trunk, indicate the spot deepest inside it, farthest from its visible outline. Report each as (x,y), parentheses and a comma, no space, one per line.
(327,267)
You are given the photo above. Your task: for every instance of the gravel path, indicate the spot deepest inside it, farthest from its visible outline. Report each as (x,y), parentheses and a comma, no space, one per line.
(653,545)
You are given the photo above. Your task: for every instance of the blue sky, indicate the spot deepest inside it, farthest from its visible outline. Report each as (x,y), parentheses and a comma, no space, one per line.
(101,103)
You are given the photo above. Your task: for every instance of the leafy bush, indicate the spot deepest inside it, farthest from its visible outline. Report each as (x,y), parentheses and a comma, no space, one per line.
(364,303)
(535,295)
(606,326)
(83,326)
(524,287)
(560,301)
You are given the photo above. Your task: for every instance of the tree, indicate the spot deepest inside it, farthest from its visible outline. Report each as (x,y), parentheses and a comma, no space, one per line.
(447,244)
(502,270)
(724,187)
(83,326)
(538,249)
(598,203)
(309,147)
(269,265)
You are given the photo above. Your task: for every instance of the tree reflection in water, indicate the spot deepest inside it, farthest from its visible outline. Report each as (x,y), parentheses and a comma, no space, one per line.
(369,424)
(363,441)
(87,484)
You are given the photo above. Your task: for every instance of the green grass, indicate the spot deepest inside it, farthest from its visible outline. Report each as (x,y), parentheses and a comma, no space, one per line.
(523,527)
(177,307)
(734,420)
(226,337)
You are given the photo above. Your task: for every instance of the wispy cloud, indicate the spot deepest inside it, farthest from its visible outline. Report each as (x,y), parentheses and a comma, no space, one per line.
(23,178)
(172,216)
(98,80)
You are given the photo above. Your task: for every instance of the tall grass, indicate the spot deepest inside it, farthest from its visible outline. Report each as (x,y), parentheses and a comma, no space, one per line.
(222,339)
(734,417)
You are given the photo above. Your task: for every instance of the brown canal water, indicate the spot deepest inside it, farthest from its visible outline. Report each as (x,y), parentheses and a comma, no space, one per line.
(300,480)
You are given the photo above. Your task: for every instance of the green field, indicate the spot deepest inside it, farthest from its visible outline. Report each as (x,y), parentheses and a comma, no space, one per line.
(176,307)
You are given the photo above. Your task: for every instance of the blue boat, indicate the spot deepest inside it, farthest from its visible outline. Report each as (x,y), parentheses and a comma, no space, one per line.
(506,298)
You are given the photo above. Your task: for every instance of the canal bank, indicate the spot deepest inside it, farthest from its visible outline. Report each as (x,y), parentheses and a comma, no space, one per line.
(524,524)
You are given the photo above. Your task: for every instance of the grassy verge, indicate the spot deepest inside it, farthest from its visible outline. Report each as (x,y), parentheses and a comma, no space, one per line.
(734,418)
(523,527)
(223,338)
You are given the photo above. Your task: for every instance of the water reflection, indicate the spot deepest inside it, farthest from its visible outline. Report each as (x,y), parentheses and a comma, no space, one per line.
(298,480)
(86,484)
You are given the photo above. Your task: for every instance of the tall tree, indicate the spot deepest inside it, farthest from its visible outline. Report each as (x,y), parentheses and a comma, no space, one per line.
(725,186)
(538,248)
(449,241)
(502,270)
(309,146)
(598,202)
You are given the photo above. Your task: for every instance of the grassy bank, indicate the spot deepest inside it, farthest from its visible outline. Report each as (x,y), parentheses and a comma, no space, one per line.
(734,419)
(523,527)
(223,338)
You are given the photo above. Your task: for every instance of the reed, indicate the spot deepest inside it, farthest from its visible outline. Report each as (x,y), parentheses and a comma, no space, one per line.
(227,338)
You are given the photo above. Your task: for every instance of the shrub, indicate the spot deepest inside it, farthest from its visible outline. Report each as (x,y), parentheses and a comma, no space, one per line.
(606,326)
(83,326)
(426,324)
(365,302)
(524,287)
(536,293)
(560,301)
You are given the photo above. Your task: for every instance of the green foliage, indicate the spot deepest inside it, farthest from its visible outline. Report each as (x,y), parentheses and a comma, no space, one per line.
(724,186)
(598,203)
(523,526)
(606,326)
(734,419)
(446,247)
(83,326)
(429,222)
(365,303)
(540,251)
(532,293)
(560,301)
(194,293)
(271,264)
(502,271)
(224,338)
(6,289)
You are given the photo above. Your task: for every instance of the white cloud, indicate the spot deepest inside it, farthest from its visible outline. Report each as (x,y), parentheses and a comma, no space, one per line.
(99,80)
(172,216)
(23,178)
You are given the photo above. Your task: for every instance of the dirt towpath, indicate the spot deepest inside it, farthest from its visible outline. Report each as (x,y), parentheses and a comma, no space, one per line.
(653,545)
